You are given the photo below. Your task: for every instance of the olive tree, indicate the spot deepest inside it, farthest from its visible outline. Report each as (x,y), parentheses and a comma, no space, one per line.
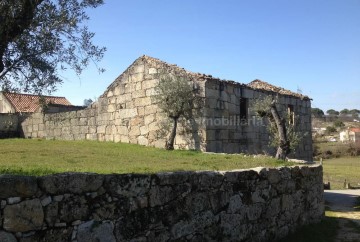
(40,37)
(178,97)
(283,132)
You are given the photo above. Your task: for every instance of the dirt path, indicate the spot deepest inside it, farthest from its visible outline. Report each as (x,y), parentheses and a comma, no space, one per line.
(341,203)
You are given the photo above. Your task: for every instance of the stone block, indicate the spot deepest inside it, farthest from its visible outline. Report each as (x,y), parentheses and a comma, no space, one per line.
(92,231)
(151,109)
(139,68)
(144,130)
(110,93)
(134,131)
(127,113)
(7,237)
(138,94)
(111,108)
(138,77)
(17,186)
(149,119)
(124,139)
(117,90)
(25,216)
(101,129)
(145,101)
(142,140)
(138,86)
(122,130)
(152,70)
(70,183)
(13,200)
(149,84)
(150,92)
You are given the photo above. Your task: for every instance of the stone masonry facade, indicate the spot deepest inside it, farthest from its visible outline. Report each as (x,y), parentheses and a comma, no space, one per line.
(261,204)
(126,112)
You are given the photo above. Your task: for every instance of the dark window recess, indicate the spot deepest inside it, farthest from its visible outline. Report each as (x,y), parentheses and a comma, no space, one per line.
(243,108)
(291,114)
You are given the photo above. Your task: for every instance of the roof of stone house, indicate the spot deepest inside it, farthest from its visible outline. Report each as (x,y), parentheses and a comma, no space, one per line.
(256,84)
(261,85)
(356,130)
(28,103)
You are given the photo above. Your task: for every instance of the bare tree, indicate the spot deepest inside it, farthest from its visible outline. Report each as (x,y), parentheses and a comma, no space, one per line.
(283,132)
(177,96)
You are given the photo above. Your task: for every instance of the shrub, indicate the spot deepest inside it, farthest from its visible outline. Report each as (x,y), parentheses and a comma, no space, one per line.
(330,129)
(339,124)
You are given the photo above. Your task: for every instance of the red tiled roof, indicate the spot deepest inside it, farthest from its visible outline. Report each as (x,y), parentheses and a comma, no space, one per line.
(28,103)
(356,130)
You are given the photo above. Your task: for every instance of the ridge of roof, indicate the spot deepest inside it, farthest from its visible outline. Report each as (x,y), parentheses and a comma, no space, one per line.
(261,85)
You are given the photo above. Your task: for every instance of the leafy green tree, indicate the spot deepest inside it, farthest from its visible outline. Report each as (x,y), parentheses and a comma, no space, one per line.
(284,134)
(332,112)
(317,112)
(355,112)
(40,37)
(345,111)
(177,97)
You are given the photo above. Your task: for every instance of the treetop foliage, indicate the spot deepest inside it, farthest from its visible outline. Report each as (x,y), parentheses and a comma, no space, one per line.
(317,112)
(176,96)
(40,37)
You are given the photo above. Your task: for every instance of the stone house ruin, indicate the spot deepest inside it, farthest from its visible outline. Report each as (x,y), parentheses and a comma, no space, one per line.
(126,112)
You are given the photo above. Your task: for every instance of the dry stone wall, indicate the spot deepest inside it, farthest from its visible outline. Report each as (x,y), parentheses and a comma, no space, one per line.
(247,205)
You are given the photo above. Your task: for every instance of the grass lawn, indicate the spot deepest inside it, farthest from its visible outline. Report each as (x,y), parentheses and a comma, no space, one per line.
(40,157)
(338,169)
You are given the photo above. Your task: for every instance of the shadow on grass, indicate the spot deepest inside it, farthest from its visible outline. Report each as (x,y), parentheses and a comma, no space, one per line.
(325,231)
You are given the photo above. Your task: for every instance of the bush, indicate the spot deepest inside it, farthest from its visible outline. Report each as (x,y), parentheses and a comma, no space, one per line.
(330,129)
(339,124)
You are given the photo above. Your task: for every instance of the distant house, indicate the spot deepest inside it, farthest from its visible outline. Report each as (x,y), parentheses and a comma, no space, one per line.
(350,135)
(27,103)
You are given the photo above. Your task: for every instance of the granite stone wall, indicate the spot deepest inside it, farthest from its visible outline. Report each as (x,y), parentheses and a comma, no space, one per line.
(124,113)
(261,204)
(230,132)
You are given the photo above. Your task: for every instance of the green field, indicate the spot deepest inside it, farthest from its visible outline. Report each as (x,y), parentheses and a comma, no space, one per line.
(338,169)
(40,157)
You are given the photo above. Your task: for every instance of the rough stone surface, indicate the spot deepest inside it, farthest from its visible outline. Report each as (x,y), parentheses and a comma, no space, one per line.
(25,216)
(260,204)
(7,237)
(17,186)
(69,183)
(93,231)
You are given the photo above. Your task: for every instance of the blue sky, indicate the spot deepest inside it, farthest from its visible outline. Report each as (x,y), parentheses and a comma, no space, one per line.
(307,44)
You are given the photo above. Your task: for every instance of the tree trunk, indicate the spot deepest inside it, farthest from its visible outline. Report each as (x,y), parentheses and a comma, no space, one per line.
(284,146)
(169,145)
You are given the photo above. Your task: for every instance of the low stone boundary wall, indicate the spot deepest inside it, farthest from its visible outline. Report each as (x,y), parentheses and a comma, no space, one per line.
(262,204)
